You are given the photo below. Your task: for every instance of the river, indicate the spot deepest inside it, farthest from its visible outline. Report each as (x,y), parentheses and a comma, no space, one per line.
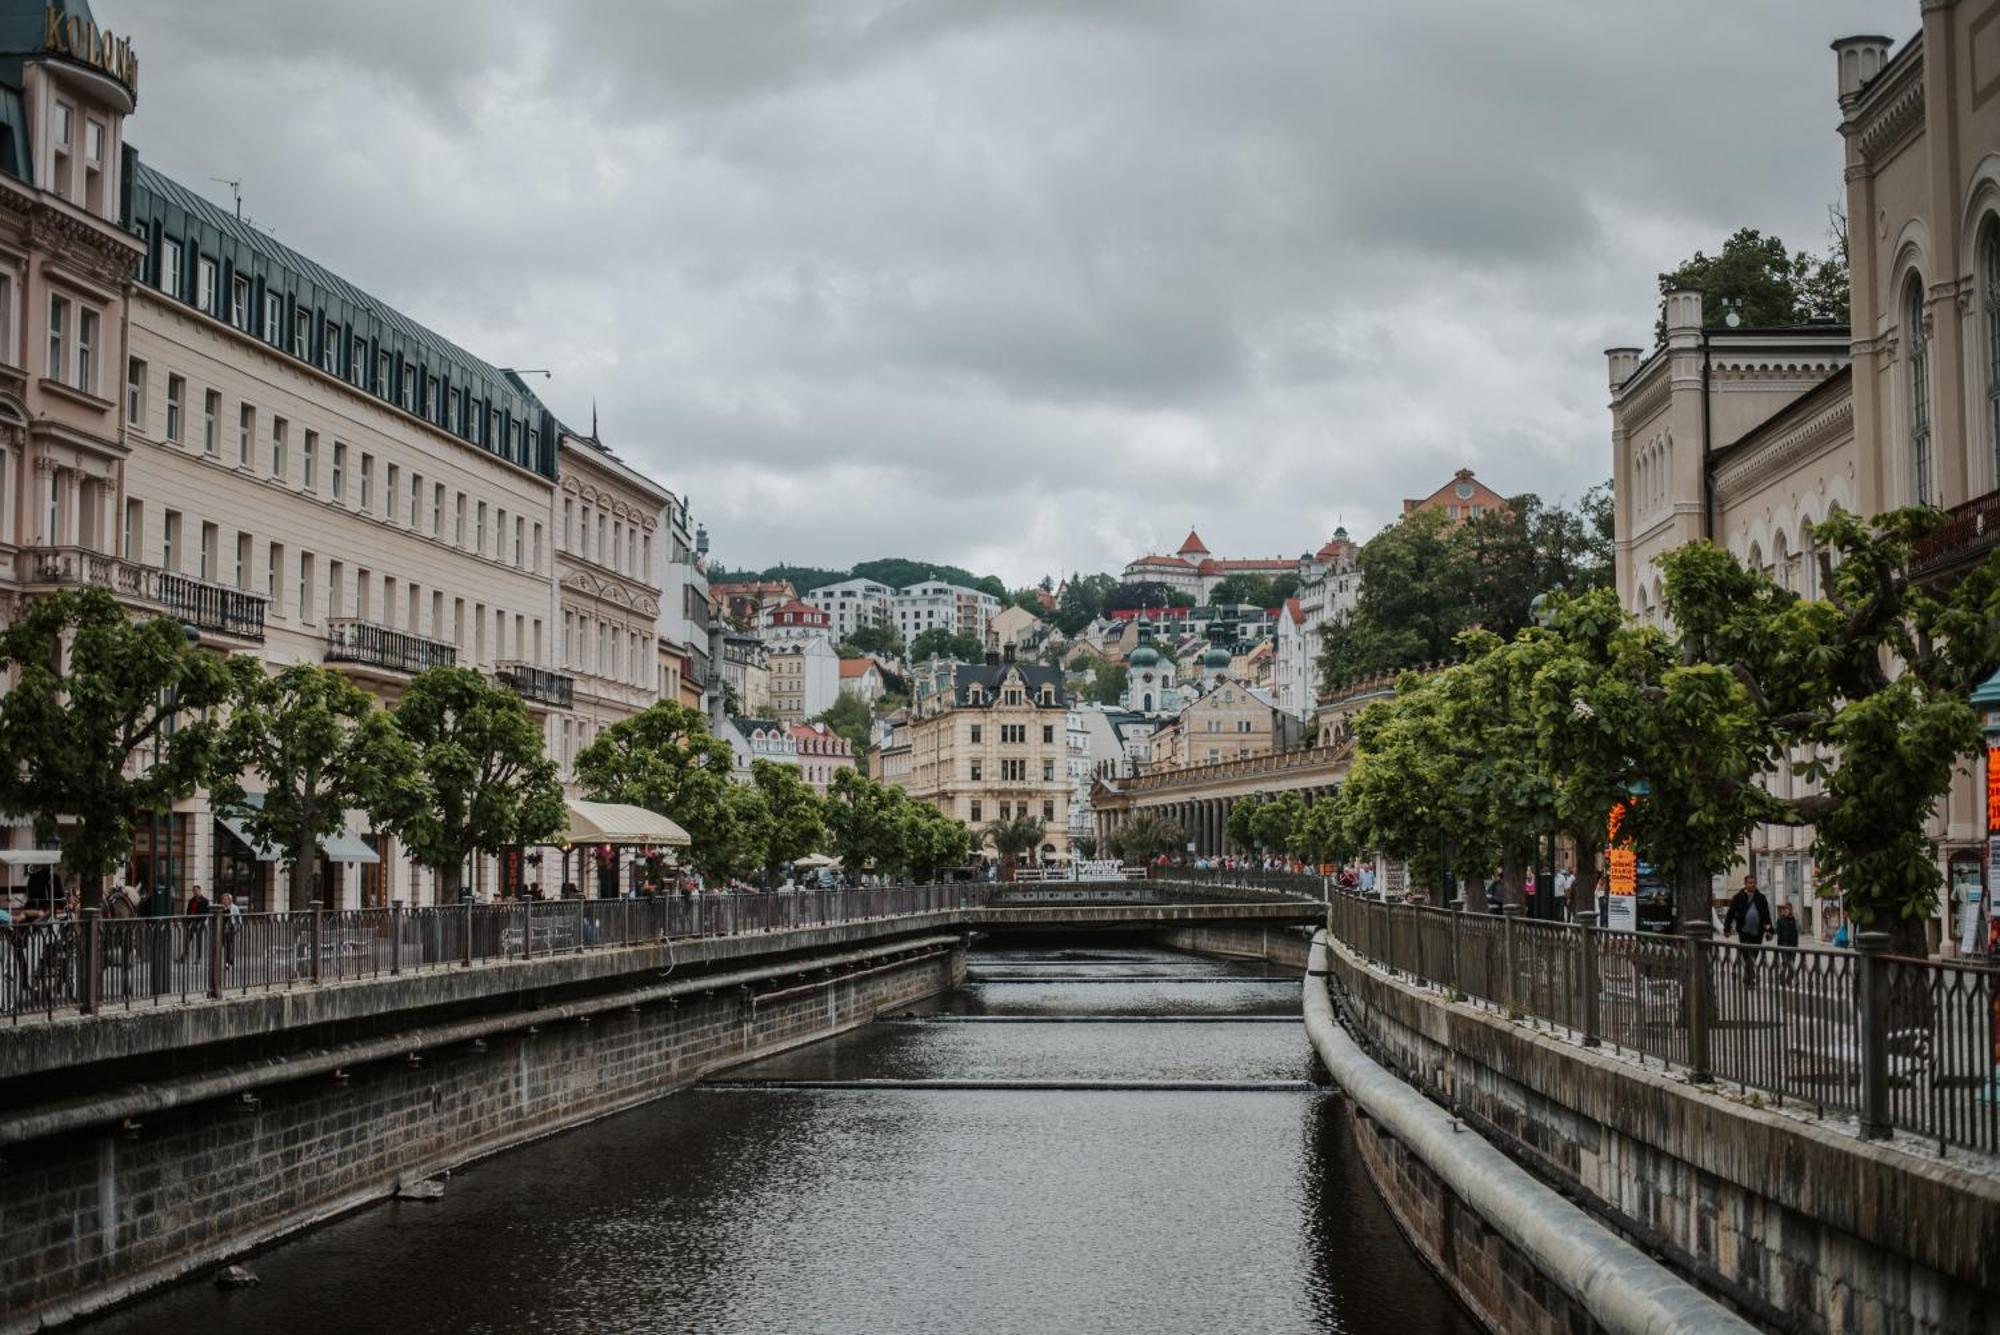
(791,1199)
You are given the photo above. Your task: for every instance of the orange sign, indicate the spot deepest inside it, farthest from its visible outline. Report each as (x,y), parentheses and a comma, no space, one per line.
(1993,790)
(1621,861)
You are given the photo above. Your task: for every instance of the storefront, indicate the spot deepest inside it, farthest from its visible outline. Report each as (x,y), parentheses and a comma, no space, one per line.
(256,873)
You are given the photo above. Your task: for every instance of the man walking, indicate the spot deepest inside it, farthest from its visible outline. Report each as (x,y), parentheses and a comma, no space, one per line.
(1749,916)
(196,931)
(1787,933)
(1496,895)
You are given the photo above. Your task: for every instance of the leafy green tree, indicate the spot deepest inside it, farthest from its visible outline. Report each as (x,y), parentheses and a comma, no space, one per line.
(318,745)
(1278,825)
(666,760)
(961,648)
(796,822)
(1144,595)
(1767,285)
(82,728)
(849,717)
(1082,601)
(866,822)
(1083,846)
(1012,839)
(863,641)
(1147,835)
(482,779)
(738,833)
(933,841)
(1253,590)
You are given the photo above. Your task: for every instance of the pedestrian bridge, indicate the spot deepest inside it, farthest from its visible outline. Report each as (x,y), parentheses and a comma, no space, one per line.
(83,995)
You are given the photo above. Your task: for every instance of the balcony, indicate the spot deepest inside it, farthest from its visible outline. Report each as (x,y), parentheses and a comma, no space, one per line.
(349,640)
(1967,534)
(198,603)
(539,684)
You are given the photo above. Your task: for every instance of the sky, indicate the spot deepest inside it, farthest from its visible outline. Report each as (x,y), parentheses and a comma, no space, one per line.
(1027,286)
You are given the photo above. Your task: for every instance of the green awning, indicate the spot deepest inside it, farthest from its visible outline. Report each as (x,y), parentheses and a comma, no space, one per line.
(341,846)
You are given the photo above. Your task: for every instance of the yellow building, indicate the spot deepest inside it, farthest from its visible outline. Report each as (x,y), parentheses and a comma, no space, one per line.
(989,742)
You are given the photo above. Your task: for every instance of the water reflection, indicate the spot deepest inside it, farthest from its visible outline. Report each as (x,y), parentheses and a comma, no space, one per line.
(893,1211)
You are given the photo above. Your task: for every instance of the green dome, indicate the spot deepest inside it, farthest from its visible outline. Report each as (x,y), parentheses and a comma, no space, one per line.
(1144,656)
(1216,657)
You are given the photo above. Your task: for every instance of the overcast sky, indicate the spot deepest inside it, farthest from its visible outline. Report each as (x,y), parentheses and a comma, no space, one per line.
(1030,286)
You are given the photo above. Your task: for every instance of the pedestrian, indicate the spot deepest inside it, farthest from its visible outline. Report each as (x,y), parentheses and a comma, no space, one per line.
(1749,916)
(194,932)
(232,923)
(1787,933)
(1496,895)
(1565,882)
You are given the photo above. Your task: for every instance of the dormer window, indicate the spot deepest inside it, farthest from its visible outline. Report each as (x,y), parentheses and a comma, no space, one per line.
(329,349)
(59,143)
(385,372)
(239,302)
(274,319)
(170,266)
(302,335)
(357,361)
(204,285)
(93,165)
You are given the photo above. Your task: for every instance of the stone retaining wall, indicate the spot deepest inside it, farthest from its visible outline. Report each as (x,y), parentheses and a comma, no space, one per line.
(94,1216)
(1798,1224)
(1286,947)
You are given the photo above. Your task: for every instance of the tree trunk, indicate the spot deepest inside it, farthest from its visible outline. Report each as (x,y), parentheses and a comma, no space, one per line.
(449,877)
(302,869)
(1691,896)
(1513,870)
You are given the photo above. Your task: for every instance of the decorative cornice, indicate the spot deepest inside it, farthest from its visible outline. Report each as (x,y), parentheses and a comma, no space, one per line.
(1897,111)
(108,257)
(1646,401)
(1786,450)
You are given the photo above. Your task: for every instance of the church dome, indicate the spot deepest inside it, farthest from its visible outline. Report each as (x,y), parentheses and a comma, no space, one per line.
(1144,656)
(1216,657)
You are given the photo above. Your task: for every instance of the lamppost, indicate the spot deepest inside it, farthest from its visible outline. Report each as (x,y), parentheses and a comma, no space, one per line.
(164,887)
(1986,699)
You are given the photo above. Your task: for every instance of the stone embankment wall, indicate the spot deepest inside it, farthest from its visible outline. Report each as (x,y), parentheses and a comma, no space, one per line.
(96,1213)
(1284,946)
(1799,1225)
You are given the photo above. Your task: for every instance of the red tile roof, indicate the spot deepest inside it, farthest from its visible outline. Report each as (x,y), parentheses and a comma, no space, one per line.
(1193,544)
(855,667)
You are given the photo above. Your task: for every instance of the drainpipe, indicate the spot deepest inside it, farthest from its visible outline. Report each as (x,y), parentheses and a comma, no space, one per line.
(1707,478)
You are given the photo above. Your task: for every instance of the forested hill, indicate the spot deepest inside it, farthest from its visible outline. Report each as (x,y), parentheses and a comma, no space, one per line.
(895,571)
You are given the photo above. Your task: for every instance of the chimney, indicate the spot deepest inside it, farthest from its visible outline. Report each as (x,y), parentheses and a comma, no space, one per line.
(1007,652)
(701,539)
(1858,59)
(1623,362)
(992,658)
(1683,317)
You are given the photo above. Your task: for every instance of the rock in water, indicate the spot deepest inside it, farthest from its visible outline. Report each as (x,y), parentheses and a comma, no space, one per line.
(420,1191)
(234,1277)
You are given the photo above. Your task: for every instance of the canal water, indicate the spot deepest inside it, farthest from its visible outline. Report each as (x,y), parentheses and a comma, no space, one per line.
(838,1188)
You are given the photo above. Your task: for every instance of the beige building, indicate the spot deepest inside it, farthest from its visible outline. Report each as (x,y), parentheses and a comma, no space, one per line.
(1230,722)
(1748,436)
(989,741)
(607,520)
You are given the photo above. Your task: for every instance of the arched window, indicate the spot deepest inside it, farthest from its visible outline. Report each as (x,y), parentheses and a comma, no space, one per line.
(1808,561)
(1756,561)
(1989,283)
(1781,561)
(1921,490)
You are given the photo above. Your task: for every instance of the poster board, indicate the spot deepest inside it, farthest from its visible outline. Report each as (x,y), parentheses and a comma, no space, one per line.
(1621,875)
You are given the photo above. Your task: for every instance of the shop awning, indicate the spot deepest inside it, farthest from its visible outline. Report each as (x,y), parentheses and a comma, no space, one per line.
(30,857)
(618,823)
(341,846)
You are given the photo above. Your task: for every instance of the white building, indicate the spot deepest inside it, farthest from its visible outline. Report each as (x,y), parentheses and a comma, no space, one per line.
(805,678)
(855,604)
(952,608)
(1328,592)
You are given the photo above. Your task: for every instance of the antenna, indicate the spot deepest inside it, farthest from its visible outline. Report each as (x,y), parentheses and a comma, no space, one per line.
(235,190)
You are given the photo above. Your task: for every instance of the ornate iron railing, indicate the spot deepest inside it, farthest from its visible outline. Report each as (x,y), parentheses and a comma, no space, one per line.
(349,640)
(544,685)
(199,603)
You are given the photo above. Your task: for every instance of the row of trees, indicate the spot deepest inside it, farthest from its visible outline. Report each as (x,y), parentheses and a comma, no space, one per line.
(111,718)
(1857,700)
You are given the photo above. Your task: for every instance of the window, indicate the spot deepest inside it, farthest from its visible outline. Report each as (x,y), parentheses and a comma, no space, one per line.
(1014,771)
(1048,733)
(93,165)
(367,480)
(204,284)
(569,525)
(600,537)
(59,140)
(211,421)
(451,411)
(1918,338)
(385,374)
(339,478)
(391,499)
(1989,274)
(239,302)
(280,429)
(1048,770)
(493,429)
(336,576)
(170,266)
(170,541)
(458,520)
(243,560)
(1013,734)
(135,392)
(329,349)
(364,588)
(309,461)
(134,529)
(520,531)
(86,350)
(618,546)
(535,550)
(7,351)
(305,586)
(975,811)
(58,337)
(274,573)
(975,771)
(437,511)
(302,335)
(500,534)
(1048,812)
(479,531)
(176,396)
(246,432)
(403,386)
(274,318)
(357,361)
(430,397)
(975,734)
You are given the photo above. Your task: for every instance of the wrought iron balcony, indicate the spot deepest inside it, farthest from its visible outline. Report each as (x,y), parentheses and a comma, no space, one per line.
(349,640)
(205,606)
(542,685)
(1968,533)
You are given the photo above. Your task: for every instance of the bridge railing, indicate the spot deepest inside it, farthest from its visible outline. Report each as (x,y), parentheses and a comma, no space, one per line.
(1901,1044)
(88,964)
(1295,884)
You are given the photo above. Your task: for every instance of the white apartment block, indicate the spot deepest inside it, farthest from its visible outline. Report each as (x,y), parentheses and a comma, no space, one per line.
(855,604)
(935,605)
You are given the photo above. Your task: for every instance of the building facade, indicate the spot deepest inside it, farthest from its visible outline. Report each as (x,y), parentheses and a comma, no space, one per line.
(856,604)
(990,741)
(952,608)
(1463,498)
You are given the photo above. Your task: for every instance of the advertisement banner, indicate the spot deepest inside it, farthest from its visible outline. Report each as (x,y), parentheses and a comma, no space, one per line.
(1621,875)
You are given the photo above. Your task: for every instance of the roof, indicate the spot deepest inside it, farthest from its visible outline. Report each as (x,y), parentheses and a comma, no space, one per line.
(1193,543)
(1173,561)
(620,823)
(812,614)
(1295,612)
(1284,564)
(988,677)
(858,667)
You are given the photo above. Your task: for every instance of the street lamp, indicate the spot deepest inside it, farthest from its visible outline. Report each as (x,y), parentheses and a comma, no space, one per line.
(163,887)
(1986,699)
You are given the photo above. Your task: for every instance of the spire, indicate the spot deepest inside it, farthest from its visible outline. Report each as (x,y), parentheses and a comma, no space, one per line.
(593,417)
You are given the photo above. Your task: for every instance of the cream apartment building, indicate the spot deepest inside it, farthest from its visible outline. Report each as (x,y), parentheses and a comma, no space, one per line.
(1747,437)
(989,741)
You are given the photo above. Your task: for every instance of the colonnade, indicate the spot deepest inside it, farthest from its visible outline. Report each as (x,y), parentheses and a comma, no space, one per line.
(1206,819)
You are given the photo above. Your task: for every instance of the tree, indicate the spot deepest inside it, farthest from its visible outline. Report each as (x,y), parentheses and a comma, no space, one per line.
(1253,590)
(481,780)
(1147,835)
(850,718)
(1145,595)
(796,823)
(666,760)
(1011,838)
(961,648)
(1278,825)
(1766,285)
(118,724)
(863,641)
(866,823)
(319,746)
(1082,602)
(1083,846)
(1416,596)
(737,834)
(932,840)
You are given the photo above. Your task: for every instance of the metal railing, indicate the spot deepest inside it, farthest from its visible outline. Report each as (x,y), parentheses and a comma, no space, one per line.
(1900,1044)
(349,640)
(89,963)
(543,685)
(1968,530)
(200,603)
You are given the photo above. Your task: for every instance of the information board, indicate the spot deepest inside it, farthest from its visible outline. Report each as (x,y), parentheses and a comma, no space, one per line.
(1621,875)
